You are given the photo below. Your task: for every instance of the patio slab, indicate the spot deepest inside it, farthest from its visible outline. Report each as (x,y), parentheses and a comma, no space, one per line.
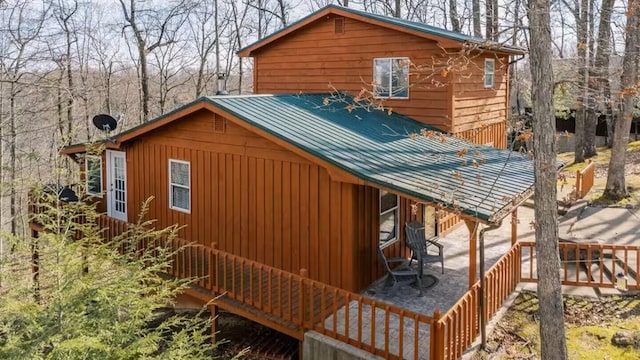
(454,283)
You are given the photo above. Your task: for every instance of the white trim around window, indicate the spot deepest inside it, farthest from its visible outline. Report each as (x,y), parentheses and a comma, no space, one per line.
(93,175)
(389,210)
(489,72)
(180,187)
(391,78)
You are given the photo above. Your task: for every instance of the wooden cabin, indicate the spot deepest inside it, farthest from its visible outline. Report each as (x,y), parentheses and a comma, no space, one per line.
(302,181)
(293,183)
(454,82)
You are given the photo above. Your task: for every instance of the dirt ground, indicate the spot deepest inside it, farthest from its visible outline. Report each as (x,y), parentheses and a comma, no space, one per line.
(589,323)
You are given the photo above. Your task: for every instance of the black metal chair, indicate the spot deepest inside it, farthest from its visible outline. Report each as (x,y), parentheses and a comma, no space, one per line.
(419,245)
(401,274)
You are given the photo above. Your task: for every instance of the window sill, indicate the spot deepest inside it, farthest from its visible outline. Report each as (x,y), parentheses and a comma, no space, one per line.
(391,97)
(99,196)
(180,210)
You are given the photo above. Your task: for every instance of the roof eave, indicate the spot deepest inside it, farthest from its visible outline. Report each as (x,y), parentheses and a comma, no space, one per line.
(499,215)
(443,41)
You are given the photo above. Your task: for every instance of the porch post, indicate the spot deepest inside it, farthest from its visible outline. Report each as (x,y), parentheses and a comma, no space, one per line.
(213,309)
(514,226)
(473,240)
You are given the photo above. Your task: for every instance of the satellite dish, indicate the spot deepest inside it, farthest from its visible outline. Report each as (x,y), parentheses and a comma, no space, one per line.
(67,195)
(105,122)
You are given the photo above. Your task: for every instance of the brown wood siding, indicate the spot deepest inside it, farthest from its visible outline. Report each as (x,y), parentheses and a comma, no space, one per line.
(495,134)
(250,196)
(315,59)
(475,106)
(367,234)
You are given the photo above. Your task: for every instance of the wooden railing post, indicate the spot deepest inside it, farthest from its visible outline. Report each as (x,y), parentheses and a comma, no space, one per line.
(436,340)
(514,226)
(213,309)
(301,298)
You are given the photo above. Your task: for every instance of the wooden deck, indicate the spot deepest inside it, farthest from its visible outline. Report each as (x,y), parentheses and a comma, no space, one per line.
(291,303)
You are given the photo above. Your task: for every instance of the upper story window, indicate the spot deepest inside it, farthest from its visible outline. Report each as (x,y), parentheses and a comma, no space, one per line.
(389,218)
(180,185)
(93,175)
(391,78)
(489,72)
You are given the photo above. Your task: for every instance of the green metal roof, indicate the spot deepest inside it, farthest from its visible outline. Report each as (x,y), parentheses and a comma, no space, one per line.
(411,25)
(377,147)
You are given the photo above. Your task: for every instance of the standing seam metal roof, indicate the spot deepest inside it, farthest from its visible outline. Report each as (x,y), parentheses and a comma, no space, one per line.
(375,146)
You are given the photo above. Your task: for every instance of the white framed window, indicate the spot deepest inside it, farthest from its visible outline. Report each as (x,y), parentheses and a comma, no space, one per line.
(93,175)
(489,72)
(391,78)
(389,217)
(180,185)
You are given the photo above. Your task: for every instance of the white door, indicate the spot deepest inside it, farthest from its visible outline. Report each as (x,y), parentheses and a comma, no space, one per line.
(117,185)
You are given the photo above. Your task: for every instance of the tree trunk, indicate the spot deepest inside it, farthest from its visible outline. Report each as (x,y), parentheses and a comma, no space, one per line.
(144,82)
(552,337)
(12,160)
(491,16)
(581,16)
(475,5)
(600,74)
(616,187)
(453,15)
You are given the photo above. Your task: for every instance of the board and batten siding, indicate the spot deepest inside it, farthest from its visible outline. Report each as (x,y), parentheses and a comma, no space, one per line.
(479,113)
(254,199)
(368,264)
(315,59)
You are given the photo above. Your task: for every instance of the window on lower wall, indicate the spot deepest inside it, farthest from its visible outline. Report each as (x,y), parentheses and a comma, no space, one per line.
(180,185)
(389,217)
(93,175)
(489,72)
(391,78)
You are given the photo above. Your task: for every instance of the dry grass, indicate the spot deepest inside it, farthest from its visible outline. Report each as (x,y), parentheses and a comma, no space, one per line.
(589,326)
(632,175)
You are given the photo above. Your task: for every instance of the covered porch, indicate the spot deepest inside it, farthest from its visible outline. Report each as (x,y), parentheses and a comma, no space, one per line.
(460,272)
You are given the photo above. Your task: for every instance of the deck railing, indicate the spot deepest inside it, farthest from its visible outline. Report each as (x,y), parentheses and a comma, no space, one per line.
(447,222)
(458,328)
(585,179)
(592,265)
(377,327)
(306,304)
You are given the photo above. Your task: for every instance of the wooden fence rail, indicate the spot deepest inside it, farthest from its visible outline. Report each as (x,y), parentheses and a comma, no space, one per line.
(457,329)
(377,327)
(592,265)
(305,304)
(447,222)
(585,179)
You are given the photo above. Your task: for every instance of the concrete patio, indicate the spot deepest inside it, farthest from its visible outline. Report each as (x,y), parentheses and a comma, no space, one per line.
(455,281)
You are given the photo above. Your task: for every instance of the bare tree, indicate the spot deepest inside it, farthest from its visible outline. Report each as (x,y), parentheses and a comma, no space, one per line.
(239,17)
(616,187)
(168,62)
(204,35)
(153,27)
(475,4)
(453,14)
(491,16)
(24,27)
(599,97)
(552,336)
(64,13)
